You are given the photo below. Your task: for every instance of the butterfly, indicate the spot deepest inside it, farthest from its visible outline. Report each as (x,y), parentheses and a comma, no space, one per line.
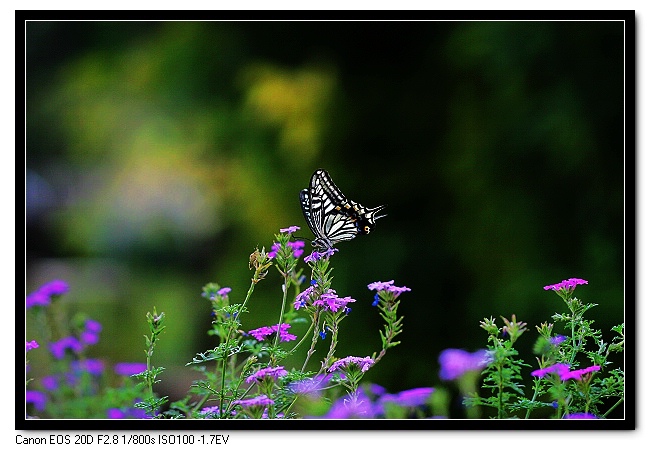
(331,216)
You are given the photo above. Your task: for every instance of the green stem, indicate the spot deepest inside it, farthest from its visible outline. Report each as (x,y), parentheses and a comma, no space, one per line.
(314,339)
(284,302)
(532,400)
(620,400)
(330,352)
(499,396)
(228,337)
(295,347)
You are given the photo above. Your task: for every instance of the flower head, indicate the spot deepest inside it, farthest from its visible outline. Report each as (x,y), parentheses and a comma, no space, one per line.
(356,405)
(456,362)
(261,333)
(297,247)
(41,297)
(271,372)
(55,287)
(310,386)
(580,415)
(559,369)
(557,340)
(580,374)
(90,334)
(37,298)
(261,400)
(275,248)
(30,345)
(59,347)
(126,369)
(331,301)
(92,366)
(126,413)
(36,398)
(388,286)
(363,363)
(315,255)
(303,297)
(291,229)
(224,291)
(410,397)
(566,287)
(50,382)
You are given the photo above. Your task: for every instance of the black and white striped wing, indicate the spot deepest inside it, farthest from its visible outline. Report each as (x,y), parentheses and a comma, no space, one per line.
(363,218)
(330,215)
(328,225)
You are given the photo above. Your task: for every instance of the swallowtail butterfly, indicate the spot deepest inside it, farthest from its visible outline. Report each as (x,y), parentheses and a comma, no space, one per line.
(331,216)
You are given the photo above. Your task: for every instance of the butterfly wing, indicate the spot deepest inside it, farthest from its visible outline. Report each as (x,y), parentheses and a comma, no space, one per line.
(307,211)
(330,215)
(363,218)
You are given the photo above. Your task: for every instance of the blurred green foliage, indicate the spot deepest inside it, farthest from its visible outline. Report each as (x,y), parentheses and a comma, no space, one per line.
(160,154)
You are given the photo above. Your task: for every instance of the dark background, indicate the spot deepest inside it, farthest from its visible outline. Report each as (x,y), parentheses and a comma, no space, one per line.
(160,154)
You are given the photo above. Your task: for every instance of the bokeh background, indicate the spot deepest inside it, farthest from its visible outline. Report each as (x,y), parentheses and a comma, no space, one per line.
(161,154)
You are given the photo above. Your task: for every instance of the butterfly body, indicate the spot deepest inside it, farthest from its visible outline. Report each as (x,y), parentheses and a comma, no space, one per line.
(331,216)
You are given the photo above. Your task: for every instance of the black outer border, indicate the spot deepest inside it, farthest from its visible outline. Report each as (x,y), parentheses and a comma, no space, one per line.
(628,16)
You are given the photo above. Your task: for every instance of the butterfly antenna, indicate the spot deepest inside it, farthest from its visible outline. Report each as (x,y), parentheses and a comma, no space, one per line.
(376,210)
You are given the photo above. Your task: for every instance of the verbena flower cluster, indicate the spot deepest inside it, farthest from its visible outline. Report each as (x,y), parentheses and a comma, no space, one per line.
(571,381)
(245,374)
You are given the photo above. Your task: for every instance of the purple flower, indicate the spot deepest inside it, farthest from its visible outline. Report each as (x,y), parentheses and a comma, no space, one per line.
(557,340)
(37,298)
(352,406)
(59,347)
(89,338)
(581,415)
(330,300)
(456,362)
(31,345)
(261,333)
(41,297)
(115,413)
(50,382)
(265,415)
(90,335)
(376,389)
(297,247)
(388,286)
(566,285)
(411,397)
(275,248)
(315,256)
(55,287)
(272,372)
(363,363)
(261,400)
(380,285)
(127,369)
(310,386)
(92,366)
(210,412)
(558,368)
(36,398)
(291,229)
(224,291)
(93,326)
(126,413)
(579,374)
(303,297)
